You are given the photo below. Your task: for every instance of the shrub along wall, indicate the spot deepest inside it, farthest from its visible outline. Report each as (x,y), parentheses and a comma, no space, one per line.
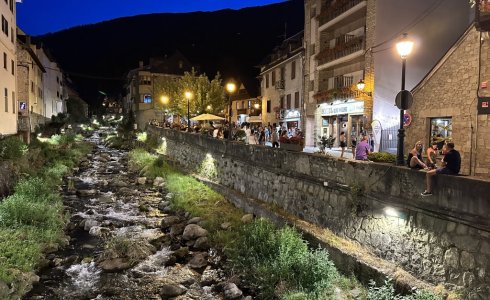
(441,239)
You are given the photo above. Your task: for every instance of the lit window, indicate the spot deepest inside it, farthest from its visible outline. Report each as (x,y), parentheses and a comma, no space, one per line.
(441,130)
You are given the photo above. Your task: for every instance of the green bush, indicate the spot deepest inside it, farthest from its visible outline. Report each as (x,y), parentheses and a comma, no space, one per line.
(387,292)
(382,157)
(280,262)
(34,188)
(12,148)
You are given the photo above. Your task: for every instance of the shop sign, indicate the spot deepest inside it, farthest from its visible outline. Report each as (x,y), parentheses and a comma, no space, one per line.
(291,114)
(484,105)
(22,105)
(343,109)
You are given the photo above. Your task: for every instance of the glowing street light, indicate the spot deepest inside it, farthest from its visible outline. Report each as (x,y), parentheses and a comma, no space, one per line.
(230,88)
(164,99)
(404,48)
(188,95)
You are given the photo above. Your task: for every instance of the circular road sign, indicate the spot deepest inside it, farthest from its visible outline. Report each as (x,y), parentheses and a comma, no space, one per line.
(407,99)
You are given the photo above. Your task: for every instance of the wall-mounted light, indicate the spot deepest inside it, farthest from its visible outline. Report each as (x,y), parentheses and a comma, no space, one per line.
(360,87)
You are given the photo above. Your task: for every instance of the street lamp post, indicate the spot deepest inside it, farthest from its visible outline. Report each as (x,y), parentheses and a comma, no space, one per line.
(164,100)
(188,96)
(404,48)
(230,88)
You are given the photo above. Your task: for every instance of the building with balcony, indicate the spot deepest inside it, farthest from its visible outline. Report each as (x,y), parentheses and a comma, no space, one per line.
(245,108)
(143,82)
(281,76)
(351,40)
(53,84)
(337,34)
(8,70)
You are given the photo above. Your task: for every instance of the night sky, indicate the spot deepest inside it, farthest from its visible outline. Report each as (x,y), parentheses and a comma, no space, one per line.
(42,16)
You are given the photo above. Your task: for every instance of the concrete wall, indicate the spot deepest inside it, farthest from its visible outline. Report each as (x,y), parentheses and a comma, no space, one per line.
(442,239)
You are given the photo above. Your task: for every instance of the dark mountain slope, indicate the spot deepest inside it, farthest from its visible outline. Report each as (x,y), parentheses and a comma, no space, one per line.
(229,41)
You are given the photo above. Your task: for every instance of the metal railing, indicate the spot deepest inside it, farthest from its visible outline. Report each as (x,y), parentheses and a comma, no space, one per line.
(346,46)
(330,12)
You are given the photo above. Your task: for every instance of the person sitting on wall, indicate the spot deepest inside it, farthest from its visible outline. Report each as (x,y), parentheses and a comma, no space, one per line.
(414,160)
(363,149)
(431,156)
(451,165)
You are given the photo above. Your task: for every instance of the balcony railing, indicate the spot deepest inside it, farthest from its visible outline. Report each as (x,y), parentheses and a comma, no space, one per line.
(346,47)
(280,84)
(482,18)
(330,12)
(23,123)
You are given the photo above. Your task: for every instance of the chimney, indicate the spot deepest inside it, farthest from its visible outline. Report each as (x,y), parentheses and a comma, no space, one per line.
(141,64)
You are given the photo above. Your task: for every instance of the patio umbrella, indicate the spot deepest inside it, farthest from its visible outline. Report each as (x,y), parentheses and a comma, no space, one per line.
(207,117)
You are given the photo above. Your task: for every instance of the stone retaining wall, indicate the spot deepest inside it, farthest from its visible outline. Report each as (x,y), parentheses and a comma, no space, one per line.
(441,239)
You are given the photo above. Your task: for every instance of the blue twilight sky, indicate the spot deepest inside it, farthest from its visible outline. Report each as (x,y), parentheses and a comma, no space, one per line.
(42,16)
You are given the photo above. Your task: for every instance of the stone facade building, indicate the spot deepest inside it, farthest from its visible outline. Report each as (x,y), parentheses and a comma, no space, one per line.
(8,111)
(245,108)
(337,34)
(281,75)
(447,105)
(143,82)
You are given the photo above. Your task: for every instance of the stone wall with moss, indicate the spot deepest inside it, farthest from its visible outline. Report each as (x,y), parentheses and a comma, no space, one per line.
(443,239)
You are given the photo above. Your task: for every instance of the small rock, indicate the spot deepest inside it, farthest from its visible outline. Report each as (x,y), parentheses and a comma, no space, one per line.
(114,265)
(169,196)
(194,220)
(231,291)
(51,248)
(57,262)
(99,231)
(202,243)
(181,252)
(170,291)
(120,183)
(141,180)
(177,229)
(89,223)
(225,226)
(193,231)
(106,199)
(158,181)
(171,261)
(86,193)
(70,259)
(209,277)
(162,205)
(198,261)
(248,218)
(169,221)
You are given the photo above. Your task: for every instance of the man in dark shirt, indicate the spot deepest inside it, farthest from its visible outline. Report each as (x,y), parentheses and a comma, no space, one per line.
(451,165)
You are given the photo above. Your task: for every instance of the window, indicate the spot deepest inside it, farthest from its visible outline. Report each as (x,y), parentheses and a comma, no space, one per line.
(266,81)
(12,64)
(283,73)
(5,60)
(293,69)
(145,80)
(441,130)
(281,102)
(6,100)
(146,98)
(12,35)
(268,106)
(5,26)
(13,102)
(288,101)
(296,100)
(11,5)
(32,86)
(273,79)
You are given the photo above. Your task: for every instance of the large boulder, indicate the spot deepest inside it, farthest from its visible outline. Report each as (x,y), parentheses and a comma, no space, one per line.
(169,221)
(231,291)
(193,231)
(171,290)
(198,261)
(114,265)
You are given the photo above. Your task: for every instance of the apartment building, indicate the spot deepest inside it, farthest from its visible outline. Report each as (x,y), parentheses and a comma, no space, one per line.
(281,75)
(143,82)
(8,70)
(54,94)
(30,87)
(337,34)
(245,108)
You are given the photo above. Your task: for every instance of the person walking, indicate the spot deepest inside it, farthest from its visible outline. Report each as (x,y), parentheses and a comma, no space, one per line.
(275,138)
(343,144)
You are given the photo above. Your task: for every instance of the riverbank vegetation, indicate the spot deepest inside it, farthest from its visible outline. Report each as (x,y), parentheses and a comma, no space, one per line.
(32,219)
(276,263)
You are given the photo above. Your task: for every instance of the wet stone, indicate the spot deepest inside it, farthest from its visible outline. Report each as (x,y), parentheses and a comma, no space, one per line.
(169,291)
(193,231)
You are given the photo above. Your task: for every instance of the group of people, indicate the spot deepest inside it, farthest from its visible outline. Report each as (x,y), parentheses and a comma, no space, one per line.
(361,150)
(450,164)
(271,133)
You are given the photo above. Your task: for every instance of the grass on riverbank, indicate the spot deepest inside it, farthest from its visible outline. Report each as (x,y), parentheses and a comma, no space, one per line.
(32,218)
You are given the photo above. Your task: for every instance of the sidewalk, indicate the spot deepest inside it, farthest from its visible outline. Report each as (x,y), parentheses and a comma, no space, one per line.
(332,152)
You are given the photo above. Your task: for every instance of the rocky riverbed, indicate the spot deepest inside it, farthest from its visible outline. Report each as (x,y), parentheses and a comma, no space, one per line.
(126,243)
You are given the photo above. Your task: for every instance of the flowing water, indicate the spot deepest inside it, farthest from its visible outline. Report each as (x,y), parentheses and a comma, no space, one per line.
(109,203)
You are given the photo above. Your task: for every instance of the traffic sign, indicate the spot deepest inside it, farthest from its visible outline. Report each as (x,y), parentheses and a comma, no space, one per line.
(407,98)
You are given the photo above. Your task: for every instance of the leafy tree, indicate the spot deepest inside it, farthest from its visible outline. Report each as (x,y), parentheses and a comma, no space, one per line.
(207,95)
